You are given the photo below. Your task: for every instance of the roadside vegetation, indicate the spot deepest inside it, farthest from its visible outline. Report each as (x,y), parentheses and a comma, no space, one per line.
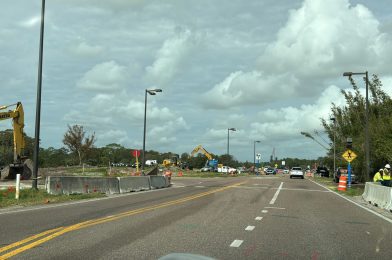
(355,190)
(28,197)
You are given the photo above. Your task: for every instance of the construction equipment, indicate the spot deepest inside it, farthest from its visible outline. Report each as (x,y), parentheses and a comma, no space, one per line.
(19,165)
(174,161)
(213,163)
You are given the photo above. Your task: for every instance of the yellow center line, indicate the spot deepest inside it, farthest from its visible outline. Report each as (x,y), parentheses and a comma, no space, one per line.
(28,239)
(62,230)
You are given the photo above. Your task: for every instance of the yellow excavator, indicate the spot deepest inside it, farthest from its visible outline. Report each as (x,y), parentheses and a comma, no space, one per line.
(19,166)
(212,163)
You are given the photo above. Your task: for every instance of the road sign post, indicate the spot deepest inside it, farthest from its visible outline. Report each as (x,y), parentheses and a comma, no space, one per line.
(136,154)
(349,156)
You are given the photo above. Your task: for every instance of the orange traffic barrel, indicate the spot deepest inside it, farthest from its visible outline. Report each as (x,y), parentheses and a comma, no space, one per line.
(342,183)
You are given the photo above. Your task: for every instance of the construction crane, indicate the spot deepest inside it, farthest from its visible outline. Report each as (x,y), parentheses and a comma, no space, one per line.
(213,163)
(18,166)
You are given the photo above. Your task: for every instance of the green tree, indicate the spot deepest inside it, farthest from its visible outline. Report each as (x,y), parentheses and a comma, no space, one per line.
(350,122)
(77,143)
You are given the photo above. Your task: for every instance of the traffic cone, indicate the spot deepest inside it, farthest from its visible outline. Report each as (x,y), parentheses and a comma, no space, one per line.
(342,183)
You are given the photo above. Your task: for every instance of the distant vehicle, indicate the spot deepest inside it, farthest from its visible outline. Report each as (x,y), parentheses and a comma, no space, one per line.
(207,169)
(270,171)
(296,172)
(323,171)
(286,171)
(151,162)
(343,171)
(241,170)
(134,165)
(226,169)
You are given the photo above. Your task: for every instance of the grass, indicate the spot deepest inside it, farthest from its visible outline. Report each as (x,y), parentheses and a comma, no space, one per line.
(29,197)
(355,190)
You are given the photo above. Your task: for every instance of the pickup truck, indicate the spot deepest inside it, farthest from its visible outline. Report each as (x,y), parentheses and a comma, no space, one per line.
(227,169)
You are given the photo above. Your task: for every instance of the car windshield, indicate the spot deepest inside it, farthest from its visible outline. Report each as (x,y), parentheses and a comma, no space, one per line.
(151,127)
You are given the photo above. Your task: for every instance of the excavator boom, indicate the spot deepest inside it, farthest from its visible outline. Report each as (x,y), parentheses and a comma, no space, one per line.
(200,149)
(17,116)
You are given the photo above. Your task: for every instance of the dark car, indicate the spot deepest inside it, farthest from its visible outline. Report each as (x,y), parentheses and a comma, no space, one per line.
(323,171)
(343,171)
(270,171)
(134,165)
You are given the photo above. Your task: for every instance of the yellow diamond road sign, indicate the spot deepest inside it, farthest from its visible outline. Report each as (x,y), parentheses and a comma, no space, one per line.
(349,155)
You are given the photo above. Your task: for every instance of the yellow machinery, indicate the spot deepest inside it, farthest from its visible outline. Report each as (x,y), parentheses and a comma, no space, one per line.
(200,149)
(174,161)
(212,163)
(18,166)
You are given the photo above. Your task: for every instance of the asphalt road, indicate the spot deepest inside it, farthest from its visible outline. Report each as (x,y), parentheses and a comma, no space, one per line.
(223,218)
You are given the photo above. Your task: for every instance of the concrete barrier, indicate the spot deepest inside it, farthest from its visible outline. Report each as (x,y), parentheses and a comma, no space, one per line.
(134,183)
(378,195)
(158,182)
(77,185)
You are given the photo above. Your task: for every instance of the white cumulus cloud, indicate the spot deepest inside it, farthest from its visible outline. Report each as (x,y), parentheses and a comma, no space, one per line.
(169,58)
(105,77)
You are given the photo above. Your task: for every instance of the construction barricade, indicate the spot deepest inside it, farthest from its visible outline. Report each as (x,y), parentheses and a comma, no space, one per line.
(342,183)
(134,183)
(378,195)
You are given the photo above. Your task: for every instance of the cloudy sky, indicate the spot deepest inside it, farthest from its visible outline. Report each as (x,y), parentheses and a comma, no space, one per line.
(268,68)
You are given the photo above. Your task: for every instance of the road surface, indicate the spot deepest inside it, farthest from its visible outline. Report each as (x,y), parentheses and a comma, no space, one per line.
(224,218)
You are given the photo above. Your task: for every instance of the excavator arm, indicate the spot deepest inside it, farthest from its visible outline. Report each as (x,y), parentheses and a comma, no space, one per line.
(17,116)
(19,165)
(200,149)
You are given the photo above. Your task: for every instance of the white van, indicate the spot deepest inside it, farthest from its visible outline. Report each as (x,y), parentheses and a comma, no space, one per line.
(151,162)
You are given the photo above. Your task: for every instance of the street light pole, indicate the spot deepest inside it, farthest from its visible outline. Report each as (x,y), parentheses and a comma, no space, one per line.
(228,139)
(254,154)
(151,92)
(38,105)
(334,143)
(367,148)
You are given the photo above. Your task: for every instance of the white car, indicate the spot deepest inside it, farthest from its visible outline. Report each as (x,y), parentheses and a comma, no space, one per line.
(227,169)
(296,172)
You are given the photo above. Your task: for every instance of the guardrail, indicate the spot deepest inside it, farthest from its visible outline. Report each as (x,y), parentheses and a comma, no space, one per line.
(378,195)
(110,185)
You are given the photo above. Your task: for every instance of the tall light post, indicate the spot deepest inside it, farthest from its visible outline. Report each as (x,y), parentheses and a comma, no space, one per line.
(367,152)
(150,92)
(333,119)
(254,154)
(38,105)
(228,139)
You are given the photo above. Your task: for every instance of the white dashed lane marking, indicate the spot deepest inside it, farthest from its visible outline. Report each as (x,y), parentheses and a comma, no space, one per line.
(249,228)
(273,208)
(236,243)
(258,218)
(276,194)
(264,211)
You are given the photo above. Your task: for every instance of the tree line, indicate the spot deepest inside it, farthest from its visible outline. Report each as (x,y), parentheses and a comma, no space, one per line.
(79,148)
(349,122)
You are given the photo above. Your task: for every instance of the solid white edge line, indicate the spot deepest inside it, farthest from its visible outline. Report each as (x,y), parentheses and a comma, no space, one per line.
(250,228)
(258,218)
(236,243)
(276,194)
(353,202)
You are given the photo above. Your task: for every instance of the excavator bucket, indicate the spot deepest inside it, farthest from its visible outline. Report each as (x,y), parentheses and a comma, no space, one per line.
(10,172)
